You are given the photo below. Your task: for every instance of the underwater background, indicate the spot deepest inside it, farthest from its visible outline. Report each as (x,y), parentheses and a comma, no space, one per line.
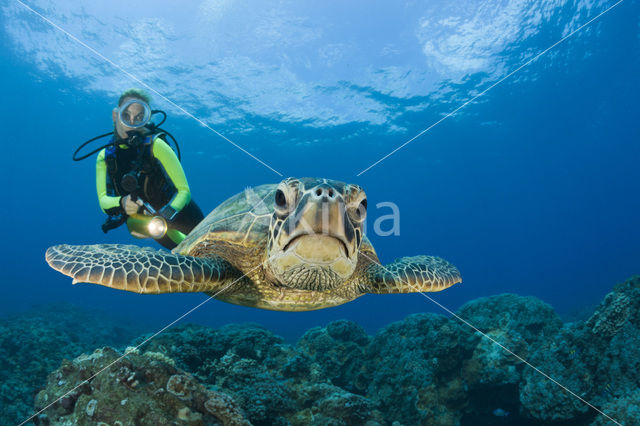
(533,188)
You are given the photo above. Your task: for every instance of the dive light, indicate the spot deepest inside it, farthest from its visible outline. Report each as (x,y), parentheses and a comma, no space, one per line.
(157,227)
(151,224)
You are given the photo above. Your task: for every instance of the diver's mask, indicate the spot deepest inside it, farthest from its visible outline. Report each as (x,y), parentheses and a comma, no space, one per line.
(134,114)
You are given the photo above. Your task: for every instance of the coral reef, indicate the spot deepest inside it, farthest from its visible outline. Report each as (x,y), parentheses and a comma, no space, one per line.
(34,343)
(109,388)
(339,350)
(598,359)
(275,383)
(411,369)
(427,369)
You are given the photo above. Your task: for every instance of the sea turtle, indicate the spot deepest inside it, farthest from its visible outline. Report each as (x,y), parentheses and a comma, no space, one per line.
(293,246)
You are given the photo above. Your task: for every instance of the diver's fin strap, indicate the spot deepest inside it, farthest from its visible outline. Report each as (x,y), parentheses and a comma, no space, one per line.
(412,275)
(142,270)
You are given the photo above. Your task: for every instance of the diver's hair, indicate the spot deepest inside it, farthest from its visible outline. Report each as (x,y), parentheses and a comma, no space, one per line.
(134,93)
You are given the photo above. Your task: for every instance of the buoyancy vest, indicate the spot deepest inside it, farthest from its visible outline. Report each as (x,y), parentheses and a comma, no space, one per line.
(153,184)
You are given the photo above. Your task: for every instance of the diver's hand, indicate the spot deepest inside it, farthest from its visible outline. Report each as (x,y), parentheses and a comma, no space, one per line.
(129,206)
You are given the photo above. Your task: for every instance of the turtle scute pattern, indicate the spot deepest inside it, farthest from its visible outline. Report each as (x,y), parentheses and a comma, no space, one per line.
(413,274)
(137,269)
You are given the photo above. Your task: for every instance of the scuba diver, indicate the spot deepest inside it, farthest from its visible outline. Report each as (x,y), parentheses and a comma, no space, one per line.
(139,178)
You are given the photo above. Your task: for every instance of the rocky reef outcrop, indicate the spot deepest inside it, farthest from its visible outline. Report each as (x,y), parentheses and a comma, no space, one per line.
(33,343)
(505,359)
(107,387)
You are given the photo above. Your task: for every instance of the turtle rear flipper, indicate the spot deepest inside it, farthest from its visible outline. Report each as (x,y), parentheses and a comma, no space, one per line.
(141,270)
(412,275)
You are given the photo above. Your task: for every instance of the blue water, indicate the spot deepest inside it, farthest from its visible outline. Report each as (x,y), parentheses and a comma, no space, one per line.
(533,188)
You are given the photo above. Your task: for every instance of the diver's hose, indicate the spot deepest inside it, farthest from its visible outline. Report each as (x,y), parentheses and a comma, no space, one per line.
(152,128)
(95,150)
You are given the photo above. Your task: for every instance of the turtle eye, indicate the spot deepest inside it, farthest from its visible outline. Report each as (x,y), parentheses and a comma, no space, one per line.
(359,213)
(281,199)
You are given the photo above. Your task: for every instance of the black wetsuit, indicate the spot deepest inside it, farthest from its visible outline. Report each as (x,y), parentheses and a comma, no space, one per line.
(151,172)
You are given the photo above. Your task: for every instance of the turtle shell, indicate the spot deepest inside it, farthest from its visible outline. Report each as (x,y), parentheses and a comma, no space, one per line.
(241,221)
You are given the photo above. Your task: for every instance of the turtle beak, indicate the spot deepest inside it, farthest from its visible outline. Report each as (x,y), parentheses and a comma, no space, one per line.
(321,212)
(315,248)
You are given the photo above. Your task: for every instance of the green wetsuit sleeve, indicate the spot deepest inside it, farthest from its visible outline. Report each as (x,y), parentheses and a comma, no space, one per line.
(106,201)
(165,155)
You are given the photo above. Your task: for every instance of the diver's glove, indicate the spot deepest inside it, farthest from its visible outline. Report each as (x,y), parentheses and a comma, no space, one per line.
(116,218)
(168,212)
(113,221)
(130,206)
(114,211)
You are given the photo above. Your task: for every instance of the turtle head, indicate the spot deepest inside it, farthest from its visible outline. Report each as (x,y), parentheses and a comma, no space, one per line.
(315,233)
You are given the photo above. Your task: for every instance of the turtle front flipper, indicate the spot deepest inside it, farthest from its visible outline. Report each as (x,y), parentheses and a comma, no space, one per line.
(412,275)
(141,270)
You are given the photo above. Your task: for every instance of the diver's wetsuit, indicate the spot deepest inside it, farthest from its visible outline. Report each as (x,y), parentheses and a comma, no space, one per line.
(160,180)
